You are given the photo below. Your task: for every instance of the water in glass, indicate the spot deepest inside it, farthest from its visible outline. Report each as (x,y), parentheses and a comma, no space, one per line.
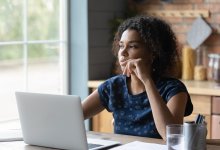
(175,142)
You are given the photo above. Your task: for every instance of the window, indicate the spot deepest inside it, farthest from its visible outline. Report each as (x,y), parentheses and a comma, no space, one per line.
(33,50)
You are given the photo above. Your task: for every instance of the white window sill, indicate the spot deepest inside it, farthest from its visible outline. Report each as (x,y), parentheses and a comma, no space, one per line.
(12,124)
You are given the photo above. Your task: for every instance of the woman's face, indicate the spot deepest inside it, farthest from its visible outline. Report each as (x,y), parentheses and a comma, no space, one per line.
(131,46)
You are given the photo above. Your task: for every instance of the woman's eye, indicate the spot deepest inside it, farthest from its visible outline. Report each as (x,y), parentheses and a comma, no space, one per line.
(133,46)
(121,46)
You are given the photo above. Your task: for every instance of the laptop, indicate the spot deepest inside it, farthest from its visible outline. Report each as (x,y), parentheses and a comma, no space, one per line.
(55,121)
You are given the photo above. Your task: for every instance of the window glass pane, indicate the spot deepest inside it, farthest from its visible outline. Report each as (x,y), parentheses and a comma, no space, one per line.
(43,68)
(43,19)
(11,20)
(43,72)
(11,79)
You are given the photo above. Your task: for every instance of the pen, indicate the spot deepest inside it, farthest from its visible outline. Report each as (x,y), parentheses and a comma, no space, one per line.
(200,119)
(197,119)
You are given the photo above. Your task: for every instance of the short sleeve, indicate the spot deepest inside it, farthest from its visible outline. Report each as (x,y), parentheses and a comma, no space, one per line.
(173,87)
(111,92)
(104,93)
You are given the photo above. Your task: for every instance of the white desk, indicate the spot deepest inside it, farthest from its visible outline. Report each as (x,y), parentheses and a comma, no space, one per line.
(20,145)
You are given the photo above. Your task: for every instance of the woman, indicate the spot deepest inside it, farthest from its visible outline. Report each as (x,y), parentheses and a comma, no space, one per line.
(144,99)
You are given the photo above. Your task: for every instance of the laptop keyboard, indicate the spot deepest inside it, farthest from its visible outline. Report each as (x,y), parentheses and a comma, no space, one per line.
(93,145)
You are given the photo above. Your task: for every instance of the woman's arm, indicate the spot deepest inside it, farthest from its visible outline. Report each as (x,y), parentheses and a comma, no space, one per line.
(164,114)
(92,105)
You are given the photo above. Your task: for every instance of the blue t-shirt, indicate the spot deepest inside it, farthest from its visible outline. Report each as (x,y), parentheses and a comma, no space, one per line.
(132,113)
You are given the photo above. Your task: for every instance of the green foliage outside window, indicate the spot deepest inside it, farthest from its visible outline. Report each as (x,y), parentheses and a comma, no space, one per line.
(42,24)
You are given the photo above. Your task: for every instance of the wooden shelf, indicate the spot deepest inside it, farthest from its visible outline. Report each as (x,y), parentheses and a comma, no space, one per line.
(178,13)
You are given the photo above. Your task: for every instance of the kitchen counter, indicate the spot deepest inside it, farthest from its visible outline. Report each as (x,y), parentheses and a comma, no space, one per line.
(202,87)
(194,87)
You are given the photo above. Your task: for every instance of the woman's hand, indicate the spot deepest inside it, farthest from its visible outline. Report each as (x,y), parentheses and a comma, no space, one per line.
(137,67)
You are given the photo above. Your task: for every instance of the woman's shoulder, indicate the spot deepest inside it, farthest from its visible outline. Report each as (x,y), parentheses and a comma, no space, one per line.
(118,79)
(115,81)
(170,81)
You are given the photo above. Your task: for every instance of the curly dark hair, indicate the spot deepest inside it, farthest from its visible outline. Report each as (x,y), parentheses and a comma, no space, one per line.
(159,39)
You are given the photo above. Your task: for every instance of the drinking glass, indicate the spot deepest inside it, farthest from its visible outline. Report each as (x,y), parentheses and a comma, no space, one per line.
(175,137)
(216,69)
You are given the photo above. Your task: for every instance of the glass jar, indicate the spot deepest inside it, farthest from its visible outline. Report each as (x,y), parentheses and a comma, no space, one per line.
(200,68)
(201,56)
(211,59)
(216,68)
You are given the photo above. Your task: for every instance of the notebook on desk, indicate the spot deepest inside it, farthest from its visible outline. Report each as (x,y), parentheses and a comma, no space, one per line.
(55,121)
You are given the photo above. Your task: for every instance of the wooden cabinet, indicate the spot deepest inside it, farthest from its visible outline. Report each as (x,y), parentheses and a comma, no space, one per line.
(205,98)
(216,105)
(103,122)
(215,127)
(201,104)
(215,130)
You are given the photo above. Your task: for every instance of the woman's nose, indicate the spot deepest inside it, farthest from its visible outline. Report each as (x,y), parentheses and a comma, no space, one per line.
(124,51)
